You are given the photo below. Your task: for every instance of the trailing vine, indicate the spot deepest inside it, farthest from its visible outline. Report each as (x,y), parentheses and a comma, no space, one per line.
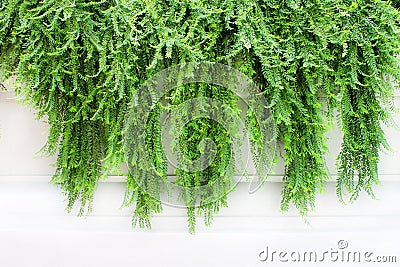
(363,74)
(79,63)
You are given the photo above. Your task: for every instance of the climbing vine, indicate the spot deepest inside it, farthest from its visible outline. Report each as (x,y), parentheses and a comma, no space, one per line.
(80,63)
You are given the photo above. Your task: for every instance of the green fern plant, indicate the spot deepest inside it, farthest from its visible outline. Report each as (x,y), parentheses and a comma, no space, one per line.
(80,63)
(363,74)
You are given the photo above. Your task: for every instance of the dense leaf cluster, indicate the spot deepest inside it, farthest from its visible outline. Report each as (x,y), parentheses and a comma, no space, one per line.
(81,62)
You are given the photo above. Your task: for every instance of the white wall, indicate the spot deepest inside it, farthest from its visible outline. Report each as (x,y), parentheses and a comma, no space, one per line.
(36,231)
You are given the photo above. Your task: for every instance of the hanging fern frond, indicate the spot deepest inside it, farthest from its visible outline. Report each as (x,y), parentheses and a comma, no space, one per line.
(363,75)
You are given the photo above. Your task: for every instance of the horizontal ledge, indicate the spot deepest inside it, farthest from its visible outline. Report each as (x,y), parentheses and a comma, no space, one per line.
(122,179)
(220,225)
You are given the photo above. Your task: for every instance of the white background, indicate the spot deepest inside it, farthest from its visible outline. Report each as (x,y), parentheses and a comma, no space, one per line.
(35,229)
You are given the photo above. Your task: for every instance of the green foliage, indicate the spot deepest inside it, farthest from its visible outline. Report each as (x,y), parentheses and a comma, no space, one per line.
(291,44)
(80,63)
(363,76)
